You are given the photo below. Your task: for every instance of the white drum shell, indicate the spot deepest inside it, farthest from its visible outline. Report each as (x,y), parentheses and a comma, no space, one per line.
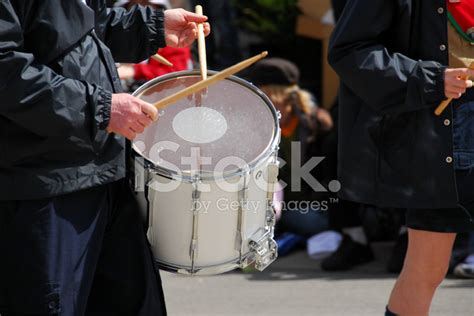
(218,238)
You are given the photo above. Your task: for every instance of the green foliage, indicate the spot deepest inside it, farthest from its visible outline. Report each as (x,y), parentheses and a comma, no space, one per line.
(268,18)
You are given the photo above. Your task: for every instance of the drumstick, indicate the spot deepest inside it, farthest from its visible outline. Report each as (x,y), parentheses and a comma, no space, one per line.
(162,60)
(440,109)
(163,103)
(202,45)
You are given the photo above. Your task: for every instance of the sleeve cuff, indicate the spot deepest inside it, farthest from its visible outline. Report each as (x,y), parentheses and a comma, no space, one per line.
(104,103)
(157,28)
(440,82)
(432,75)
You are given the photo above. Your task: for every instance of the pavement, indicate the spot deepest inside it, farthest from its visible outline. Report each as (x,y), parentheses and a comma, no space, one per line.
(295,285)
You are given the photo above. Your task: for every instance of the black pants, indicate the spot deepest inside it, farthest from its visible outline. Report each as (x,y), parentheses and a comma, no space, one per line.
(83,253)
(448,220)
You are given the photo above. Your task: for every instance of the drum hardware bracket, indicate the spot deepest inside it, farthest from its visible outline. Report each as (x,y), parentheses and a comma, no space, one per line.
(271,218)
(263,248)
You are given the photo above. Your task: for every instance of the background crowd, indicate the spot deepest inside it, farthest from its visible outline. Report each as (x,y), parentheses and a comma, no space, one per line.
(340,234)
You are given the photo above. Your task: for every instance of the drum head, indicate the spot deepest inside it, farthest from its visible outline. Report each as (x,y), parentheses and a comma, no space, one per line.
(229,126)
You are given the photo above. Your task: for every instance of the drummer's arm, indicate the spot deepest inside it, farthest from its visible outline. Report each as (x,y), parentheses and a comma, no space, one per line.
(132,36)
(34,96)
(387,81)
(135,35)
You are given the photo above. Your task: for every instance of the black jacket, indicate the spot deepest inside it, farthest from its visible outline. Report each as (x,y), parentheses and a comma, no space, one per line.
(57,76)
(393,151)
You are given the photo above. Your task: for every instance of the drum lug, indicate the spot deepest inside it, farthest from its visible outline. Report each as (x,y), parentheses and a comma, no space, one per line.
(263,248)
(272,178)
(193,248)
(271,218)
(273,170)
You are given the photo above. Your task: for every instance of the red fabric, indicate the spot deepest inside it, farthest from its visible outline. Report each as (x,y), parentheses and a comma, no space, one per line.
(463,13)
(179,57)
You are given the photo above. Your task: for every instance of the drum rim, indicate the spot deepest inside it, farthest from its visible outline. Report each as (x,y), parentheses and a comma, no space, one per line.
(207,175)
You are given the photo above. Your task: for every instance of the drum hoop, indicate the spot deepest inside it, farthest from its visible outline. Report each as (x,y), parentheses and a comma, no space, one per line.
(207,175)
(204,270)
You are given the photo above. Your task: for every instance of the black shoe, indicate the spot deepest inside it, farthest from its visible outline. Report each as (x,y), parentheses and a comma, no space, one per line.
(348,255)
(399,251)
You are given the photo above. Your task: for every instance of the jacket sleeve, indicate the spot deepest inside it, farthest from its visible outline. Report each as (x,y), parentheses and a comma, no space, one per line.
(387,81)
(132,36)
(36,98)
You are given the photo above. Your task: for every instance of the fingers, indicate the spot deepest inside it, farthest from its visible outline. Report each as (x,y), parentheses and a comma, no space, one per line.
(149,110)
(193,17)
(453,94)
(207,29)
(128,133)
(145,120)
(457,86)
(193,26)
(458,83)
(137,128)
(455,82)
(460,72)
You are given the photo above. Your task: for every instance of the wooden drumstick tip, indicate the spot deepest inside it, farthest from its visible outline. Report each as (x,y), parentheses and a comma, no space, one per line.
(162,60)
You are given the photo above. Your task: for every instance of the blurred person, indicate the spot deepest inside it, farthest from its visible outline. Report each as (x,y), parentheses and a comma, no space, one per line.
(465,269)
(397,61)
(355,249)
(136,74)
(347,217)
(304,123)
(70,229)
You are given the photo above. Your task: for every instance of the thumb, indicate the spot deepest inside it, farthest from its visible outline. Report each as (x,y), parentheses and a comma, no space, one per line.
(149,110)
(193,17)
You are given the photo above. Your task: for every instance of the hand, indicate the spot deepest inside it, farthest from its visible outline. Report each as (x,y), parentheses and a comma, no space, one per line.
(455,84)
(181,28)
(324,119)
(130,116)
(126,72)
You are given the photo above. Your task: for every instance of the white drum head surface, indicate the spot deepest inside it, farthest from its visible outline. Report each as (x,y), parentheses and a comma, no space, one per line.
(229,124)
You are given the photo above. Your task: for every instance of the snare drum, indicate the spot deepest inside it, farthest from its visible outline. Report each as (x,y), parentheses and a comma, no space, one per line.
(205,173)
